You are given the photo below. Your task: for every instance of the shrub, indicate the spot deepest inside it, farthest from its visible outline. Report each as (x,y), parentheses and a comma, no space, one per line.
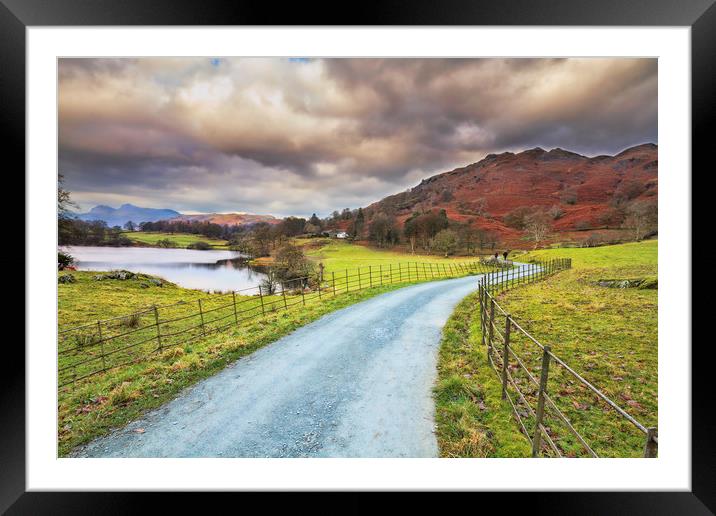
(132,321)
(556,212)
(569,196)
(200,245)
(64,260)
(165,242)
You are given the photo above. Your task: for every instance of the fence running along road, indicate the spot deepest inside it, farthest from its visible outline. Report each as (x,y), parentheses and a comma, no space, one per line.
(534,408)
(98,346)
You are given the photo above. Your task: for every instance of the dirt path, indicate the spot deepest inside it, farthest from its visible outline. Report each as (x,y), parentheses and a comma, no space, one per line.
(356,383)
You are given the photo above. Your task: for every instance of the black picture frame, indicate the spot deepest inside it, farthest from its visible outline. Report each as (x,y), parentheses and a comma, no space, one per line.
(700,15)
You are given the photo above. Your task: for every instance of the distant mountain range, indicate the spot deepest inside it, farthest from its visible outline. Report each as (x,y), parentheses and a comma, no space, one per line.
(120,216)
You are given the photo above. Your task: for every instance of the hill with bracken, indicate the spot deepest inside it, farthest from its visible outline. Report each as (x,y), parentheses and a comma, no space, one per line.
(227,219)
(582,193)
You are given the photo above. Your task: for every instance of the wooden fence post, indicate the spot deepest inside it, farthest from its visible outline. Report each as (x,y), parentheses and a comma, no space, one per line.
(319,291)
(236,315)
(156,321)
(390,273)
(101,344)
(506,355)
(651,448)
(537,440)
(483,318)
(303,295)
(283,294)
(333,279)
(381,274)
(400,272)
(491,327)
(201,314)
(261,297)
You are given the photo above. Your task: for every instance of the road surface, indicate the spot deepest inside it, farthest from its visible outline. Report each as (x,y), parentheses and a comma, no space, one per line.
(355,383)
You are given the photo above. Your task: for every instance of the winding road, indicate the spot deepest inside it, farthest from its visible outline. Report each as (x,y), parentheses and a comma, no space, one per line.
(355,383)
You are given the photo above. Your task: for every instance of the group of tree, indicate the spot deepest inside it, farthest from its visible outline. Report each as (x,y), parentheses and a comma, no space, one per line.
(427,231)
(91,232)
(194,227)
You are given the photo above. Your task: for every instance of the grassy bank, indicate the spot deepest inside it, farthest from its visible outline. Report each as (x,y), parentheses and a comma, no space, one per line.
(338,255)
(472,420)
(609,335)
(181,240)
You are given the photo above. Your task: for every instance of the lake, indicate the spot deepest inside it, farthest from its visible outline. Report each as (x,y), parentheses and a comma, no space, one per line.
(213,271)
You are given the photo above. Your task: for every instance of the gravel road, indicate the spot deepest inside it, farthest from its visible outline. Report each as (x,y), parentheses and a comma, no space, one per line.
(355,383)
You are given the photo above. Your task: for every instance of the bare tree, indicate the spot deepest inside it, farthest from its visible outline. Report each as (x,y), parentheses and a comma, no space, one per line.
(537,225)
(642,217)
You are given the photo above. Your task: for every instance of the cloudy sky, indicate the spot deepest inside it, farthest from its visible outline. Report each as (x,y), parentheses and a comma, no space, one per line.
(296,136)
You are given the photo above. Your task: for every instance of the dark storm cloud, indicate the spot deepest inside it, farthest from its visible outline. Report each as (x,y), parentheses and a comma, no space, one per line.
(297,136)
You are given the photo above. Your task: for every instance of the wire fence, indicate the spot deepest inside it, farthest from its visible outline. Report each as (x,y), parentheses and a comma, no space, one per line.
(98,346)
(523,365)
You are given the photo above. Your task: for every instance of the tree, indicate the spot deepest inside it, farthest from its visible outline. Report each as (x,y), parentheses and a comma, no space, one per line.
(312,229)
(292,264)
(65,224)
(315,220)
(445,241)
(627,190)
(643,217)
(537,225)
(383,230)
(129,226)
(422,227)
(358,223)
(517,218)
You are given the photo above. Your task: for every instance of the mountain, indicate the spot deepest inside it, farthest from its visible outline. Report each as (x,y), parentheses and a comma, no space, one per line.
(227,219)
(126,212)
(585,189)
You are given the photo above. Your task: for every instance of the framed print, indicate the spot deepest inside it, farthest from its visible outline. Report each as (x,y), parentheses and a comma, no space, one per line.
(396,251)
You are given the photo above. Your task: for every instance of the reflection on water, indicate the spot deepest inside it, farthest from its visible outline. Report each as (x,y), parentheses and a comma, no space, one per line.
(213,271)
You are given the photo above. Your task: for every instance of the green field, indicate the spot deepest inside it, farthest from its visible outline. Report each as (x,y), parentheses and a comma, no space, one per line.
(608,335)
(181,239)
(635,254)
(338,255)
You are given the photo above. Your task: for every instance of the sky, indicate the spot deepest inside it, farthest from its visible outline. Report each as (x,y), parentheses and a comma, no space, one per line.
(293,136)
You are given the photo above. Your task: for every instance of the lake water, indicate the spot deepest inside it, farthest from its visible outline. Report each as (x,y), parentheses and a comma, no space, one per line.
(213,271)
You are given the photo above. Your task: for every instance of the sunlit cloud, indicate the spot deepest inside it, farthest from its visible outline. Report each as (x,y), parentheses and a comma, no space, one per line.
(301,135)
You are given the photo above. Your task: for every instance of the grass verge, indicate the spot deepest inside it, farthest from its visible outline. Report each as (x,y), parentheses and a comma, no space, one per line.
(472,419)
(608,335)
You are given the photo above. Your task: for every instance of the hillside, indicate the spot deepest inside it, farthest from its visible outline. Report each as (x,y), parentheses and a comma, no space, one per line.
(585,189)
(227,219)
